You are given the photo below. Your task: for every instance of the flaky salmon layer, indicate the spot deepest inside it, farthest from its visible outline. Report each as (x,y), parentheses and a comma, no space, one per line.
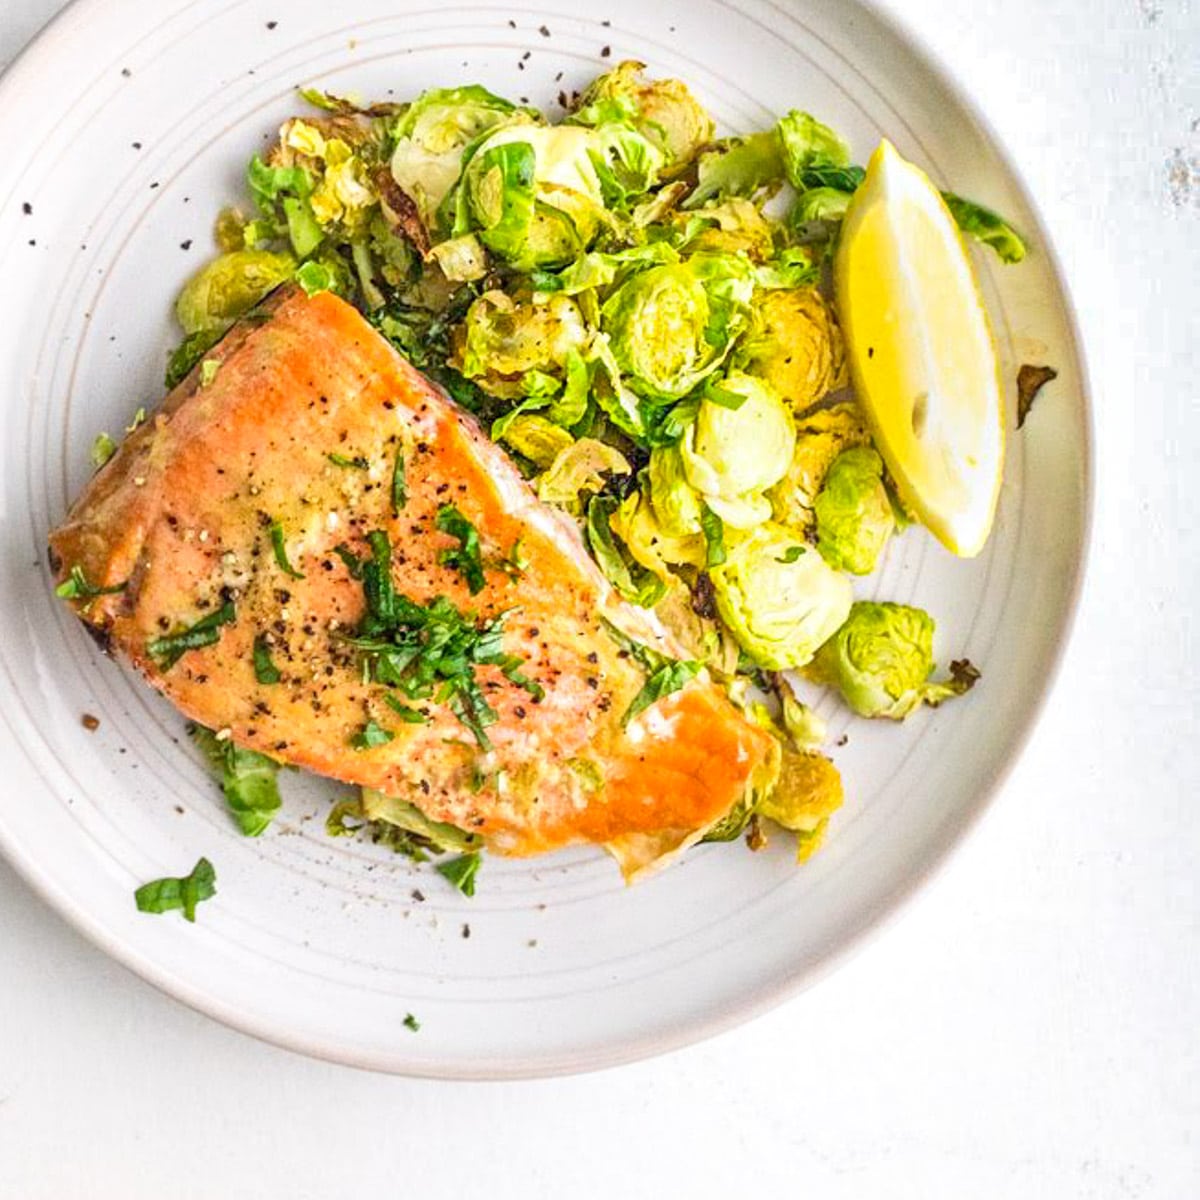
(293,440)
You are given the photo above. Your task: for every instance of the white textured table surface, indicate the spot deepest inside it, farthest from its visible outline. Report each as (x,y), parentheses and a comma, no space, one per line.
(1030,1027)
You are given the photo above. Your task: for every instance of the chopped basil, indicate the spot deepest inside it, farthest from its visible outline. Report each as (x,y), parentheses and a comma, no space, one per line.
(167,894)
(467,558)
(399,482)
(167,651)
(77,587)
(281,555)
(725,397)
(461,871)
(664,675)
(353,562)
(370,736)
(406,713)
(670,677)
(249,780)
(714,536)
(357,463)
(378,589)
(265,671)
(431,651)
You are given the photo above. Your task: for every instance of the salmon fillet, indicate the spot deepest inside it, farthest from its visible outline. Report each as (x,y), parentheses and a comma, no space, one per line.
(249,500)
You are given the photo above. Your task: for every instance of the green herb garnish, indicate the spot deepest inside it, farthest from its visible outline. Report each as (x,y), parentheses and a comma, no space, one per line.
(167,651)
(77,587)
(357,463)
(265,671)
(664,675)
(249,780)
(670,677)
(281,555)
(411,1022)
(406,713)
(164,895)
(725,397)
(791,554)
(399,482)
(370,736)
(714,537)
(431,651)
(461,872)
(353,562)
(467,558)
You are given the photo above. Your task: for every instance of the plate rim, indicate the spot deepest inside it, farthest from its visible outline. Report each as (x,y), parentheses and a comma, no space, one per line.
(37,55)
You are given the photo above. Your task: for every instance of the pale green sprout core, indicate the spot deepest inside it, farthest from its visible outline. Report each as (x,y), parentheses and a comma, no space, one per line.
(779,597)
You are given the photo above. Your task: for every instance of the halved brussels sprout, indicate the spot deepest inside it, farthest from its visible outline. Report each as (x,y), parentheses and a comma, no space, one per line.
(779,597)
(656,322)
(795,344)
(854,513)
(881,659)
(533,195)
(433,134)
(672,325)
(740,444)
(230,285)
(578,468)
(661,110)
(501,340)
(820,438)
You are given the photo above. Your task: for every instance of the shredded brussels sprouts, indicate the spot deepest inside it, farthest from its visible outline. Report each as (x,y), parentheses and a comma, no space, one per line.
(638,312)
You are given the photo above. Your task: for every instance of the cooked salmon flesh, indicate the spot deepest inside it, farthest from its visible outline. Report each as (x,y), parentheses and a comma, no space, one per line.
(307,524)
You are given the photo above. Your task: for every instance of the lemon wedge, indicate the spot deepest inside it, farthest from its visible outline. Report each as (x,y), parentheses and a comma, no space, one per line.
(921,352)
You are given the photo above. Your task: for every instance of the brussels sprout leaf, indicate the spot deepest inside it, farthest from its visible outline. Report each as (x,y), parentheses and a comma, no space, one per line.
(248,780)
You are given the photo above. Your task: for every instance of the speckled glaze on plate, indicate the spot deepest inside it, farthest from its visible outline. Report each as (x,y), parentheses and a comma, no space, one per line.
(125,130)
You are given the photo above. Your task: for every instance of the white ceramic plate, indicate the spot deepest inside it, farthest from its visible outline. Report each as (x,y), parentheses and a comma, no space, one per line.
(124,130)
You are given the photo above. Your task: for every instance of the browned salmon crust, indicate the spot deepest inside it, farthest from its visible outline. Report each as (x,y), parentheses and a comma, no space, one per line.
(182,515)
